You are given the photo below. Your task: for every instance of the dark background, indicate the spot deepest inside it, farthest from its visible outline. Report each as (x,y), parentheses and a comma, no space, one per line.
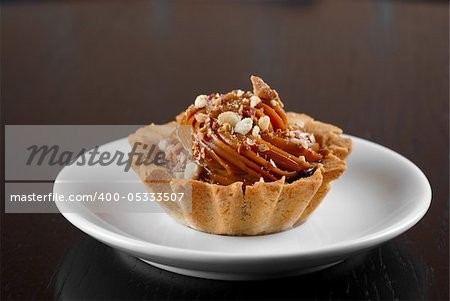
(378,69)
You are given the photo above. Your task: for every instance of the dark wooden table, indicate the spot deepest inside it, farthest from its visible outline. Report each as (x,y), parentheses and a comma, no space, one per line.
(379,69)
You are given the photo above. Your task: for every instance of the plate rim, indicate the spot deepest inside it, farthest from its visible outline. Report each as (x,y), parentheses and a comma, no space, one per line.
(161,251)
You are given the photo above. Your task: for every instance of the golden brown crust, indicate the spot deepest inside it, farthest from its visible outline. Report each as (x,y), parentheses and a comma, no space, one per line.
(264,207)
(333,163)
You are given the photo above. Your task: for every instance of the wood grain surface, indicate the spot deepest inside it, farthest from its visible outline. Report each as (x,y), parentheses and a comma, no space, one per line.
(378,69)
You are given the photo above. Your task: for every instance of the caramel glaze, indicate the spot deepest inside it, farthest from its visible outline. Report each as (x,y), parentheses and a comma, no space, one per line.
(226,156)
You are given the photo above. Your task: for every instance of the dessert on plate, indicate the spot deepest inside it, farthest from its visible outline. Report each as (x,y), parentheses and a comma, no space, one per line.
(247,166)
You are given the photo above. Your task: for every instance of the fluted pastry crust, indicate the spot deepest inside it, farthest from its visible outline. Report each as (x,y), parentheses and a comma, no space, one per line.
(261,208)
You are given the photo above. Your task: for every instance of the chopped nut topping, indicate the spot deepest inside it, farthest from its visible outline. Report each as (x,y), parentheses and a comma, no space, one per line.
(273,163)
(202,153)
(201,117)
(227,127)
(228,117)
(250,141)
(302,142)
(200,101)
(264,123)
(201,135)
(255,131)
(238,126)
(241,109)
(254,100)
(244,126)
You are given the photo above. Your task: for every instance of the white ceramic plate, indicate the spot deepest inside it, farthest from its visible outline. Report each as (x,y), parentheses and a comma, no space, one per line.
(380,196)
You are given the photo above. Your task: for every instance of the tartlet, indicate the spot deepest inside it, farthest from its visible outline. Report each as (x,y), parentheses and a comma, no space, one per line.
(247,167)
